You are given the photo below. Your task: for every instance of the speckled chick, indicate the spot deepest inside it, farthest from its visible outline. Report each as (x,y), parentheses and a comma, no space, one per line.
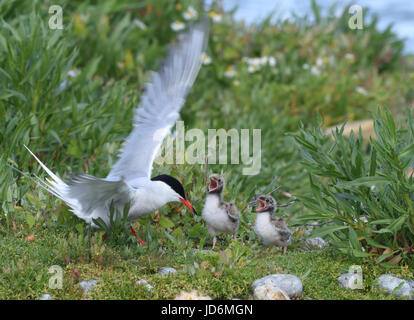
(219,216)
(272,230)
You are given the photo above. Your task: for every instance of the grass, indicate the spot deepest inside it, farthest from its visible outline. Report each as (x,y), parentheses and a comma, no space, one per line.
(69,95)
(118,269)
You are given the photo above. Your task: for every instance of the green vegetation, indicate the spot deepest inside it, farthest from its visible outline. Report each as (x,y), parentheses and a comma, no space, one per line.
(69,95)
(367,201)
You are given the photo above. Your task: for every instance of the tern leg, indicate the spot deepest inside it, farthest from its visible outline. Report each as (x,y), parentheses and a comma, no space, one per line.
(284,249)
(235,236)
(141,242)
(134,232)
(214,242)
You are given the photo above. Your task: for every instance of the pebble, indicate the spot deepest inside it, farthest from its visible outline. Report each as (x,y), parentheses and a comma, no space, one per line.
(287,283)
(193,295)
(315,243)
(88,285)
(166,270)
(46,296)
(389,282)
(144,282)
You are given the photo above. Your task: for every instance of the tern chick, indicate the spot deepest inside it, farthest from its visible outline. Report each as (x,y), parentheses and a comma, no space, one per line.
(272,230)
(219,216)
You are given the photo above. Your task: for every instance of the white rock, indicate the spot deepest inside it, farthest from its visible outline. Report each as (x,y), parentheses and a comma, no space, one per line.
(192,295)
(144,282)
(315,243)
(166,270)
(46,296)
(269,291)
(388,283)
(289,284)
(88,285)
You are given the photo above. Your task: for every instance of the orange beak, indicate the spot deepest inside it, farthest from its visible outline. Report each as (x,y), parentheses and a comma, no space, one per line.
(188,205)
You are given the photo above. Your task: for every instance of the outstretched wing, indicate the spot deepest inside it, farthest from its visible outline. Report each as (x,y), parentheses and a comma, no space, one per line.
(159,107)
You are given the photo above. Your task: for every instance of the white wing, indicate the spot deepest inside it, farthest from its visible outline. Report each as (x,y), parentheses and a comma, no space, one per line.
(159,107)
(85,193)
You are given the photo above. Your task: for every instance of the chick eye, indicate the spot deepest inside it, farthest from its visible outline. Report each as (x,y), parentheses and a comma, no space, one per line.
(267,200)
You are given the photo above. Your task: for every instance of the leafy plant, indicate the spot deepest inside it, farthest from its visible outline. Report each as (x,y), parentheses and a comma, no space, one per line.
(363,194)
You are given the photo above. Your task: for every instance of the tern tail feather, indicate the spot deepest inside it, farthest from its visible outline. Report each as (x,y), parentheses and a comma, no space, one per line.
(58,188)
(87,196)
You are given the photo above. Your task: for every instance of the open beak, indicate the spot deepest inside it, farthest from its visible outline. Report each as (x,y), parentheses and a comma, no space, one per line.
(261,206)
(213,185)
(188,205)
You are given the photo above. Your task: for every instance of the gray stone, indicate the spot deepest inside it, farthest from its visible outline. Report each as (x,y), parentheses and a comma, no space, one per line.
(349,280)
(315,243)
(144,282)
(166,270)
(269,291)
(46,296)
(287,283)
(88,285)
(388,283)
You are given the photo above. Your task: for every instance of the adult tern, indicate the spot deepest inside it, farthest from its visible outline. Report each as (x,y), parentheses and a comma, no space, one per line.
(129,180)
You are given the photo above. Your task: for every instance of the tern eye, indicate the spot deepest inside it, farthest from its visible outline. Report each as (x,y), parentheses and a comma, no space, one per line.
(267,200)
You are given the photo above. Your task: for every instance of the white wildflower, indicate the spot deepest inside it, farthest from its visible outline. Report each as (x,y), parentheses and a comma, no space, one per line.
(271,61)
(263,60)
(205,59)
(305,66)
(216,17)
(319,62)
(177,25)
(256,63)
(315,71)
(138,23)
(253,68)
(190,14)
(349,56)
(230,72)
(361,90)
(73,73)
